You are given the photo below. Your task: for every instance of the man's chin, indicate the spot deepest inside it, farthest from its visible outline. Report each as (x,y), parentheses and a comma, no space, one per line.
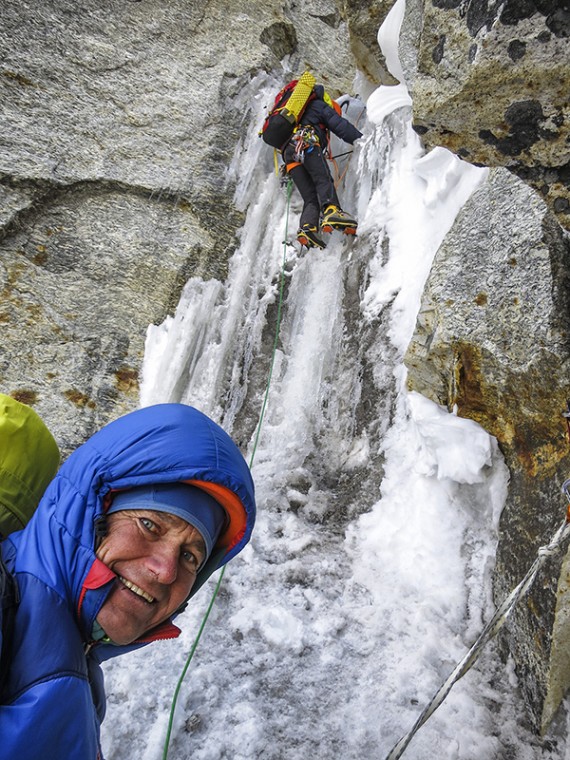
(120,633)
(122,619)
(123,641)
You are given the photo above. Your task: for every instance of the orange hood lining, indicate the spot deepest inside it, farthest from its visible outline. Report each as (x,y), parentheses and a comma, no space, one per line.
(234,508)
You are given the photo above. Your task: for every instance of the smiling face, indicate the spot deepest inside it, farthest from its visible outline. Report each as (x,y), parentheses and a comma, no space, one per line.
(156,556)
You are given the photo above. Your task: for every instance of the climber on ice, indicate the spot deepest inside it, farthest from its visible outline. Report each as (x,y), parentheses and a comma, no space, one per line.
(304,148)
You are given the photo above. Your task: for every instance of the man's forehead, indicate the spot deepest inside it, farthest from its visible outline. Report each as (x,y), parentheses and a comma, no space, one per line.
(171,521)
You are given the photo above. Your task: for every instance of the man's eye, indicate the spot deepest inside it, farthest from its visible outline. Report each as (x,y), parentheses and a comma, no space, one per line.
(148,524)
(191,560)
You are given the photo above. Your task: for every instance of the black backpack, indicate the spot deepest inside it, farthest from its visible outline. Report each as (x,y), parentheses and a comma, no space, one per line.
(10,598)
(288,107)
(29,458)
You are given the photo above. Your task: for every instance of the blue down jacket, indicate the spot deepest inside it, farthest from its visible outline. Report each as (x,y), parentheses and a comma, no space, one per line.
(54,700)
(322,117)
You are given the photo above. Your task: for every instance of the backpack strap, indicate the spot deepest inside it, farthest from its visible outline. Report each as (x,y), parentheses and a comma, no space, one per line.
(10,598)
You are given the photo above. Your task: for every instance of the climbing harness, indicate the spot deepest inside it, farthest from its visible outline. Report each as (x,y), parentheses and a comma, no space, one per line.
(255,442)
(304,139)
(491,629)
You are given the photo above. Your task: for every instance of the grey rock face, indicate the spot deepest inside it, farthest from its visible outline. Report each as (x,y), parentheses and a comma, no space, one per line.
(490,82)
(118,125)
(83,273)
(492,341)
(364,20)
(119,122)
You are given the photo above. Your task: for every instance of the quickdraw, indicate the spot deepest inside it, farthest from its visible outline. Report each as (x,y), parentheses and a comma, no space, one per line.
(304,139)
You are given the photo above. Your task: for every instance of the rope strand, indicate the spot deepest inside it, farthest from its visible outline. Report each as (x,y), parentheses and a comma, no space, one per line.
(256,441)
(491,629)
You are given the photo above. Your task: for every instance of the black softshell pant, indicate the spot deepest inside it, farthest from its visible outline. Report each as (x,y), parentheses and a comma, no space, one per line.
(313,180)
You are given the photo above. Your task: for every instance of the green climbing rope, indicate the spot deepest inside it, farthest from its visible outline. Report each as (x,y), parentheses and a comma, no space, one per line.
(278,324)
(256,441)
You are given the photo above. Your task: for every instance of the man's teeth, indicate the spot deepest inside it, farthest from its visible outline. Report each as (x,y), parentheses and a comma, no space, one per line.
(136,590)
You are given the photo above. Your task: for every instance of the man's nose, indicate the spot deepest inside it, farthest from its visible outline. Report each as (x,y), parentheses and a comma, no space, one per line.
(163,562)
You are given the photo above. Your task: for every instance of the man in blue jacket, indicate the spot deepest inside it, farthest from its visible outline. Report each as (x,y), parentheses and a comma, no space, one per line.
(131,526)
(305,161)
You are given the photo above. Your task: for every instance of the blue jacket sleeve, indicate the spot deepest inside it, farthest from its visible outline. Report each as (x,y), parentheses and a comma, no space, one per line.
(340,126)
(54,718)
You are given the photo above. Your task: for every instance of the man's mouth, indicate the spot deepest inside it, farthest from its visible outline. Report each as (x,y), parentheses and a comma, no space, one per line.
(137,590)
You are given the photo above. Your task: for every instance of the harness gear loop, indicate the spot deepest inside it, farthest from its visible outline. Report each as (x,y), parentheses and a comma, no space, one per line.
(304,138)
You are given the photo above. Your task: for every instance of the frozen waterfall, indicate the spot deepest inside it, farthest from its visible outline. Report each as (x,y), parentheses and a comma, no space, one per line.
(369,572)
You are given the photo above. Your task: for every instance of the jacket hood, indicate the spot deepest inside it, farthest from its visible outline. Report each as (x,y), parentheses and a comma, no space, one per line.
(158,444)
(29,458)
